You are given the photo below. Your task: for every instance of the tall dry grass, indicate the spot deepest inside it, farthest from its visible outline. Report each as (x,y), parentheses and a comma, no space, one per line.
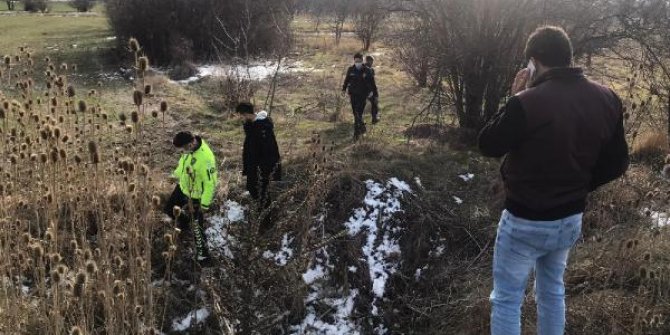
(77,206)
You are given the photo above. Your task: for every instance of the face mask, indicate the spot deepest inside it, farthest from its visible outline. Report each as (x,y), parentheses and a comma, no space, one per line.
(358,65)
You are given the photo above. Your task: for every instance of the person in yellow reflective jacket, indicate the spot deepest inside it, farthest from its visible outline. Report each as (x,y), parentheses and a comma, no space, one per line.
(197,176)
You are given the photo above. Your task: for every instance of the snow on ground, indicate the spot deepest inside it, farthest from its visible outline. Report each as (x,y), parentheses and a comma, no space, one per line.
(218,239)
(191,319)
(256,71)
(329,308)
(381,203)
(658,219)
(417,180)
(457,200)
(284,254)
(322,294)
(467,177)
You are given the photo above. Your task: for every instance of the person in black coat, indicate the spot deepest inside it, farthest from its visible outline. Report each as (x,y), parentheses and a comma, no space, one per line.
(359,82)
(374,100)
(261,158)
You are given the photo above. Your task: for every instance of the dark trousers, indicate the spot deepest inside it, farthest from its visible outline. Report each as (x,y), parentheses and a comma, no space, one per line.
(374,103)
(358,106)
(189,220)
(257,185)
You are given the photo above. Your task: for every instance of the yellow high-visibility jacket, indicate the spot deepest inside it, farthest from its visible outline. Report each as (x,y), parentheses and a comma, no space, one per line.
(197,174)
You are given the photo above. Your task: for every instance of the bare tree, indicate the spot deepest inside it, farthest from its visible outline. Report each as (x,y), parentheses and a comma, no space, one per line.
(340,11)
(368,20)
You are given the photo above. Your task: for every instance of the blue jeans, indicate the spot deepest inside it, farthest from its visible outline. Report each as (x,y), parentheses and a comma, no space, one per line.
(521,246)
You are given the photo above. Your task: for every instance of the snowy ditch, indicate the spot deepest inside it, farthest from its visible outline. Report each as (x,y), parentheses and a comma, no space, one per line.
(220,244)
(374,222)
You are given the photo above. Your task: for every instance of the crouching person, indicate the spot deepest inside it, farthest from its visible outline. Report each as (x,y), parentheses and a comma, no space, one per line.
(197,178)
(261,159)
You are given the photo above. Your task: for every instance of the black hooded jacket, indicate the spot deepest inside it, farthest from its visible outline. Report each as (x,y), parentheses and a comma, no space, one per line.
(261,152)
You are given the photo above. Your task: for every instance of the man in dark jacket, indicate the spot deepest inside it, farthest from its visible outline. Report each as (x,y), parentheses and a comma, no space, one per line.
(261,159)
(563,137)
(374,100)
(359,82)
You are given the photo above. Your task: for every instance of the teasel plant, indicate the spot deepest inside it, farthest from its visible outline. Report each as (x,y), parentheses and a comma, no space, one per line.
(78,209)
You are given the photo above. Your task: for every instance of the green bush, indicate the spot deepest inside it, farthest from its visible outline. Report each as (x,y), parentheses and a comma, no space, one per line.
(35,6)
(82,5)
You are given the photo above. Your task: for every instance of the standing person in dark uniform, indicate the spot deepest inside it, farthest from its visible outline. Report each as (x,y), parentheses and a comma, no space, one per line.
(360,84)
(374,100)
(262,162)
(197,176)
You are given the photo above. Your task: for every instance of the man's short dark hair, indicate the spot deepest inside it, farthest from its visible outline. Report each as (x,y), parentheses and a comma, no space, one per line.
(182,138)
(245,108)
(358,55)
(551,46)
(369,58)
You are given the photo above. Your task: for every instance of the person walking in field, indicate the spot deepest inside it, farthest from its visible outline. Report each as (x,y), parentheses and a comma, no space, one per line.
(359,83)
(261,158)
(563,137)
(374,100)
(197,178)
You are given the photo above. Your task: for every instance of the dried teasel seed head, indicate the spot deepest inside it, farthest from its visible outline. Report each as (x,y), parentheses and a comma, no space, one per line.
(137,97)
(164,106)
(143,63)
(176,211)
(129,129)
(93,152)
(74,245)
(78,290)
(118,287)
(168,238)
(81,278)
(118,261)
(156,201)
(148,89)
(135,117)
(75,330)
(56,277)
(88,255)
(70,91)
(82,106)
(133,45)
(91,267)
(154,113)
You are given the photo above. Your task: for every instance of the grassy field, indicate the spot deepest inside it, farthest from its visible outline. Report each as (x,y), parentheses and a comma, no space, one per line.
(310,113)
(55,7)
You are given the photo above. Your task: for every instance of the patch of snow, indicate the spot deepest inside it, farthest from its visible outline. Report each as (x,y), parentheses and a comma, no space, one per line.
(110,38)
(234,211)
(255,71)
(417,180)
(353,269)
(219,240)
(341,323)
(381,203)
(467,177)
(282,256)
(321,293)
(658,219)
(439,251)
(194,317)
(313,274)
(457,200)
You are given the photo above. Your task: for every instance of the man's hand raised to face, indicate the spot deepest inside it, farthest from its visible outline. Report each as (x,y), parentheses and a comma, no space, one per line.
(520,81)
